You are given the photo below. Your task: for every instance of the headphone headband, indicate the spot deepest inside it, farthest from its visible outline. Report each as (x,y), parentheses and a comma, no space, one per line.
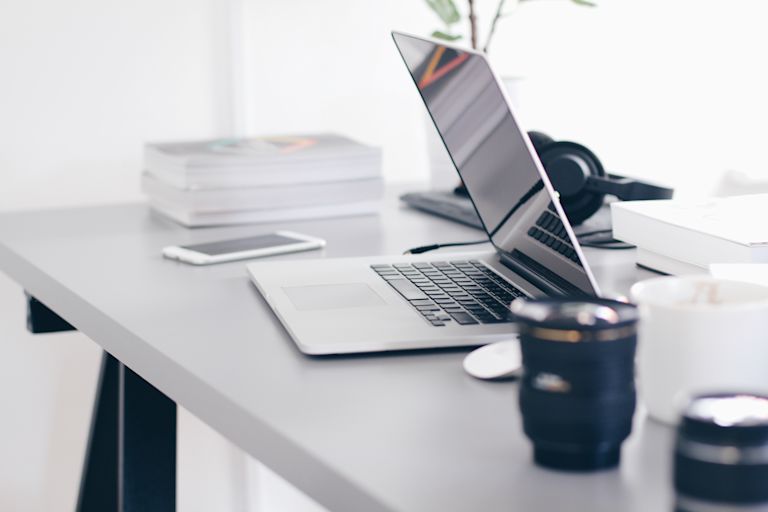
(627,189)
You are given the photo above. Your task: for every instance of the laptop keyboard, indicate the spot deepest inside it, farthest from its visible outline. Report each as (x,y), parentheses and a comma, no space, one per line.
(464,292)
(549,231)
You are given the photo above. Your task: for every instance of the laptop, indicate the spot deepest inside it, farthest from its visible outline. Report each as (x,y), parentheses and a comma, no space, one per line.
(336,306)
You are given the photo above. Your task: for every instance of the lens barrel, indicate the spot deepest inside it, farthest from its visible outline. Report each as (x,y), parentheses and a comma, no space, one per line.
(577,393)
(721,454)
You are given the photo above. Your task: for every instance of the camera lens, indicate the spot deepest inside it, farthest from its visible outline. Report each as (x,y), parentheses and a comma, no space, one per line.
(577,393)
(721,455)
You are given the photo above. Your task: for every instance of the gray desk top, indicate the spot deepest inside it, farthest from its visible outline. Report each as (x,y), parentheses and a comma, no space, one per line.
(397,432)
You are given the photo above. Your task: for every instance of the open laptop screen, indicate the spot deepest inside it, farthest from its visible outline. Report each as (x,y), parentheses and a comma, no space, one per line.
(496,163)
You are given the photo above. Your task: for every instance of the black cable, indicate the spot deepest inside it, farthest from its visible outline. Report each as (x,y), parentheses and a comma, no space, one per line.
(427,248)
(606,246)
(595,232)
(609,244)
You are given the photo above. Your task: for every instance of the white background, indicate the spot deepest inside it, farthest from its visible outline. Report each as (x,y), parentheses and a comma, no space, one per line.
(671,90)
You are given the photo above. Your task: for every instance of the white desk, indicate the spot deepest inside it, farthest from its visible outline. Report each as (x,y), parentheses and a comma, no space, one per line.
(397,432)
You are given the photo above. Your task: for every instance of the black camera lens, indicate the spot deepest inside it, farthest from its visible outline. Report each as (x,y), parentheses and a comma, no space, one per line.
(577,393)
(721,455)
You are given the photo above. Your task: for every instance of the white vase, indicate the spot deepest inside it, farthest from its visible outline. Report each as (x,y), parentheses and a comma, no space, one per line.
(442,173)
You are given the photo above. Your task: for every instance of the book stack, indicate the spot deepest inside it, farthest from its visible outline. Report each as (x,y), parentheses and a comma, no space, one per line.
(679,236)
(267,179)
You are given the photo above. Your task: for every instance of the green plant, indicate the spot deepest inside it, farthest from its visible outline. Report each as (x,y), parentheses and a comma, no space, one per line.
(449,14)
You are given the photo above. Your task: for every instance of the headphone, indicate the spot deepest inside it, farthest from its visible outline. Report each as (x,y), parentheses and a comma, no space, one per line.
(580,179)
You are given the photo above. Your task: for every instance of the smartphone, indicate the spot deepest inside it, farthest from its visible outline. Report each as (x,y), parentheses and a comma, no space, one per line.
(279,242)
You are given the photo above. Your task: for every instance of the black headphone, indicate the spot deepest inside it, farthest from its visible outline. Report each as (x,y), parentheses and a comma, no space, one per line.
(580,179)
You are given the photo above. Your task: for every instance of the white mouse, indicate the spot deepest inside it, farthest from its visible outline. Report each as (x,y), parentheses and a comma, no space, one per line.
(500,360)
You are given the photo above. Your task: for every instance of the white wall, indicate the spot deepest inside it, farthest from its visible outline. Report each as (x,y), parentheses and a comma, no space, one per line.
(84,83)
(331,65)
(669,90)
(46,385)
(674,91)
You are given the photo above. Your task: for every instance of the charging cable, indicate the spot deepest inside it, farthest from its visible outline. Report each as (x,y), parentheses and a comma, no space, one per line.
(588,239)
(427,248)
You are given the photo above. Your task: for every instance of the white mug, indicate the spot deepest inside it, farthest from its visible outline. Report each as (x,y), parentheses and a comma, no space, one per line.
(699,334)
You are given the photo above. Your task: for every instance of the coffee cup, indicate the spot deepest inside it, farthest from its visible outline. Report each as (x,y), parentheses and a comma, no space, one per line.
(699,335)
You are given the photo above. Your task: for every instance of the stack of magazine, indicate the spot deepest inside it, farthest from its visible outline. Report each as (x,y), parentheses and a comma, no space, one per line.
(266,179)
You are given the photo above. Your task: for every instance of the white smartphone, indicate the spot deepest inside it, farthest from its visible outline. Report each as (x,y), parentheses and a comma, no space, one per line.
(279,242)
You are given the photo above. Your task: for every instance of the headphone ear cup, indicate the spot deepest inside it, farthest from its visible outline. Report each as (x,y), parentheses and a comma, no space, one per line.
(540,140)
(568,166)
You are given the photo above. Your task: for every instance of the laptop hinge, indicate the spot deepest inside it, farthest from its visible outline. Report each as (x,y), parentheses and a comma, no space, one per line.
(537,274)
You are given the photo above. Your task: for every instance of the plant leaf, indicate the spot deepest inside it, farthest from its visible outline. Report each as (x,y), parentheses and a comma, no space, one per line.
(446,10)
(585,3)
(439,34)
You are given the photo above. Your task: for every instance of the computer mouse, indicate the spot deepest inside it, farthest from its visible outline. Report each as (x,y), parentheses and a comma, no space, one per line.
(500,360)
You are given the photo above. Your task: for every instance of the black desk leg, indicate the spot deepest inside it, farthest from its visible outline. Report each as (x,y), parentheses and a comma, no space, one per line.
(130,463)
(98,485)
(146,447)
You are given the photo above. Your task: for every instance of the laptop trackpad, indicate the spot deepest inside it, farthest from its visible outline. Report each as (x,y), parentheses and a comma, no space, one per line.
(332,296)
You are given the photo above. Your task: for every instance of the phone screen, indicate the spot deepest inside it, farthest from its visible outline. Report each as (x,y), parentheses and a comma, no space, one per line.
(242,244)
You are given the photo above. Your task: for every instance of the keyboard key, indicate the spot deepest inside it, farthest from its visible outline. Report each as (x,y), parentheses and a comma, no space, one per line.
(493,320)
(407,289)
(463,318)
(463,289)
